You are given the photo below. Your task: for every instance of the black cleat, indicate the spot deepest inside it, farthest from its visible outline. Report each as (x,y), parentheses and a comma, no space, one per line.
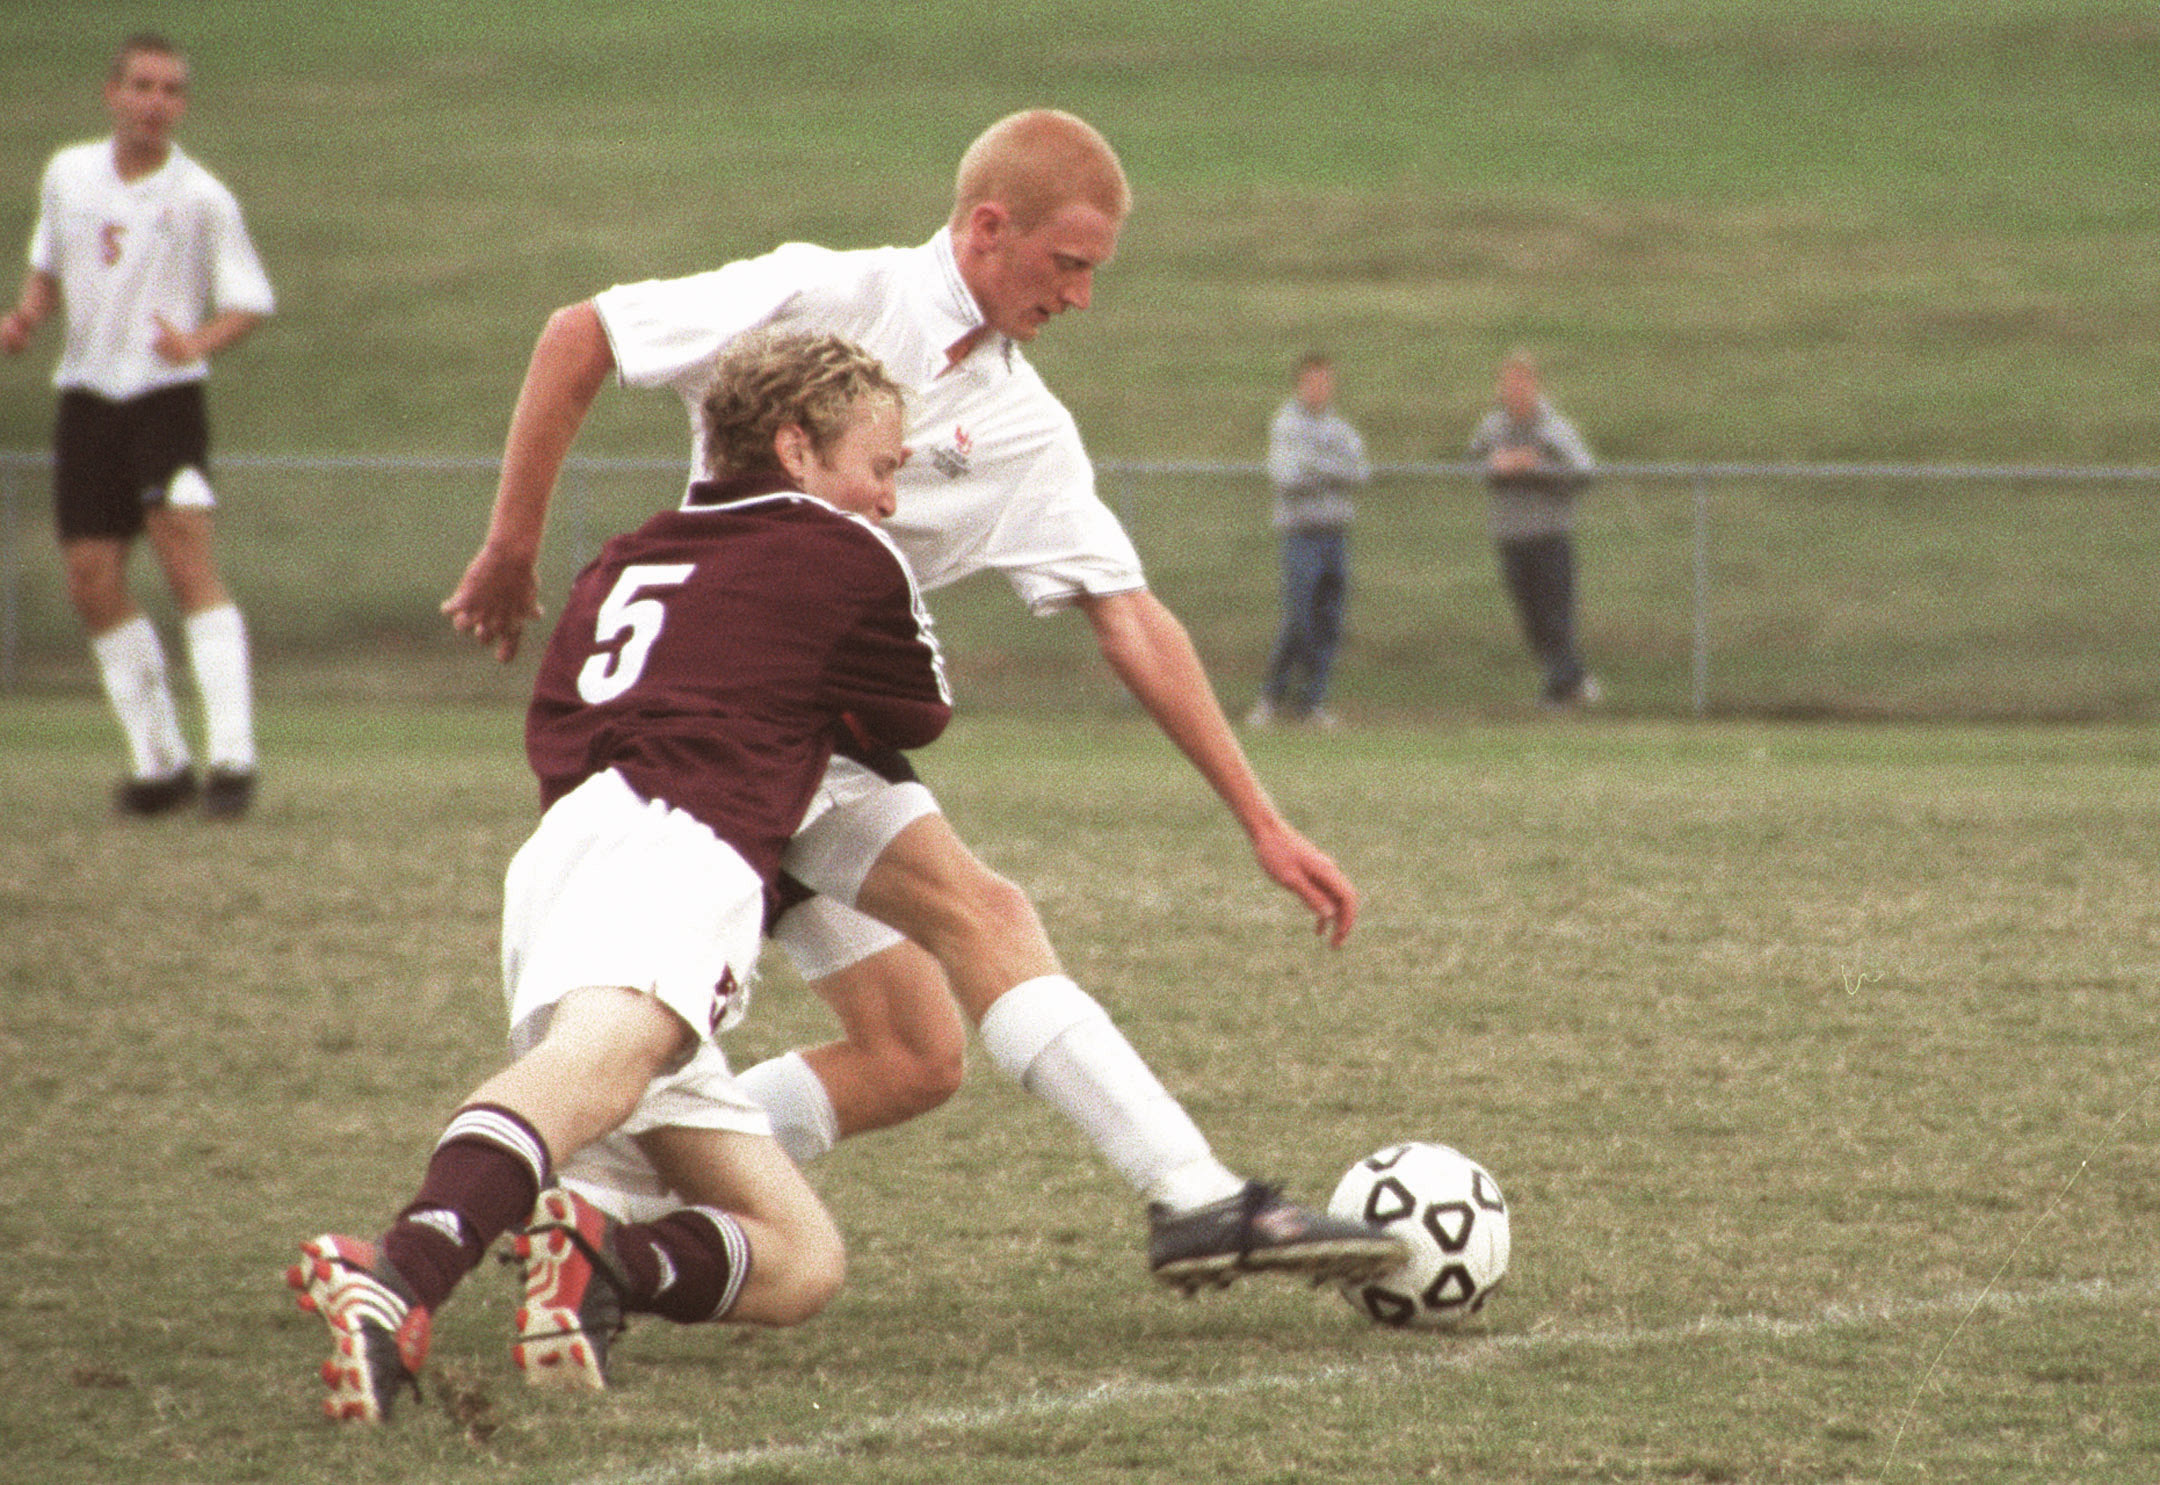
(1257,1231)
(227,793)
(146,797)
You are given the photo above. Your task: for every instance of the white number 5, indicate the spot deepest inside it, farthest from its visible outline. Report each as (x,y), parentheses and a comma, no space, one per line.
(636,622)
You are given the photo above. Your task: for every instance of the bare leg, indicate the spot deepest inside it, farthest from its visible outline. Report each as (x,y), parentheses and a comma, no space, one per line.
(603,1045)
(182,541)
(903,1048)
(978,925)
(798,1259)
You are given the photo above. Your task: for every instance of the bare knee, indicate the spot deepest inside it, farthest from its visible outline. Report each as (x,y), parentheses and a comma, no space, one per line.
(995,910)
(877,1081)
(798,1265)
(928,1075)
(991,940)
(182,541)
(816,1272)
(978,925)
(96,583)
(982,921)
(905,1046)
(925,1061)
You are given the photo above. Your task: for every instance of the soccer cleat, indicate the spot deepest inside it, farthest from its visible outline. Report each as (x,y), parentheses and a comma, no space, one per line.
(378,1336)
(574,1287)
(227,793)
(1257,1231)
(147,797)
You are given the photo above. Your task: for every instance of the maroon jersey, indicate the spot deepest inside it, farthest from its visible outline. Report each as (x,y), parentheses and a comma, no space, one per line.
(715,655)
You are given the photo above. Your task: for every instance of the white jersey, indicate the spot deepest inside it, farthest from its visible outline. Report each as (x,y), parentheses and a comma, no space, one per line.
(998,477)
(169,244)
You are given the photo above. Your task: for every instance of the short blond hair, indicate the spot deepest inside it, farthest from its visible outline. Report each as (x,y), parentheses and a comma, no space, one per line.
(1034,162)
(771,379)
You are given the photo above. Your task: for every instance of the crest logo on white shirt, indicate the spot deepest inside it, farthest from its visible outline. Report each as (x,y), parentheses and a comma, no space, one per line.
(724,994)
(951,458)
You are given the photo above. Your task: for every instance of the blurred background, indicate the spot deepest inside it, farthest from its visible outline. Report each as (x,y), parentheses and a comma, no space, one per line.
(1863,308)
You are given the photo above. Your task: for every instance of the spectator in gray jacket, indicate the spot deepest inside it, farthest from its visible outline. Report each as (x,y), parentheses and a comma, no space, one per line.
(1536,464)
(1315,460)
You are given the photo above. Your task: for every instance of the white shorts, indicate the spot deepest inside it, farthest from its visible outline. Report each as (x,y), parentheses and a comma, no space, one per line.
(852,819)
(617,890)
(613,1172)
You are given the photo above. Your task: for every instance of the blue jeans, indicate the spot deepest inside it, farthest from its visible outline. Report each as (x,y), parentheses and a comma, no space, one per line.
(1540,575)
(1315,582)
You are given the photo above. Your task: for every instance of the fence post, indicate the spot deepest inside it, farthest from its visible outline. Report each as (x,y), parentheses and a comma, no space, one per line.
(1701,653)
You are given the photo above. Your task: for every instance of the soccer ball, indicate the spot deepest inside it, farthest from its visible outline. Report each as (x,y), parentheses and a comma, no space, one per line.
(1450,1212)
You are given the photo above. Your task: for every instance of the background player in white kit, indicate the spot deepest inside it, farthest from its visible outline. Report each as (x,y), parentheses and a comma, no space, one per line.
(148,255)
(679,727)
(998,478)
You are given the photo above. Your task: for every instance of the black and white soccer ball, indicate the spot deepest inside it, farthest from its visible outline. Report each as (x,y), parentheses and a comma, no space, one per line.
(1450,1212)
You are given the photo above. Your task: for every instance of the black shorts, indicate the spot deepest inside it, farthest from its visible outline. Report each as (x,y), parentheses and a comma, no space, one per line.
(114,460)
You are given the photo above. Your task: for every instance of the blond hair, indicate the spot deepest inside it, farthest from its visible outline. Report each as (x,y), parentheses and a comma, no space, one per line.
(771,379)
(1036,161)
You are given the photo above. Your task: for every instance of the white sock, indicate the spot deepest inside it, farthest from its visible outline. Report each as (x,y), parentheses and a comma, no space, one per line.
(802,1113)
(131,662)
(218,653)
(1053,1039)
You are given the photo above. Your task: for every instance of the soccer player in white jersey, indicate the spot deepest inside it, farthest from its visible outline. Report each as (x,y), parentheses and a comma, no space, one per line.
(147,254)
(997,478)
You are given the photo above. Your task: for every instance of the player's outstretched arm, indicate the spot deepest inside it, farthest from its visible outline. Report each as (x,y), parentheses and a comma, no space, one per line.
(501,588)
(1148,648)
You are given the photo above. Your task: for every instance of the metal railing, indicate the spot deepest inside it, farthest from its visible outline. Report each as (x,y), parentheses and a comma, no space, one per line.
(1120,480)
(1123,482)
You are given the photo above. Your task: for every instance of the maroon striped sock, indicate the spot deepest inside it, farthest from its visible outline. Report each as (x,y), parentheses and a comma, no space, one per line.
(698,1260)
(482,1180)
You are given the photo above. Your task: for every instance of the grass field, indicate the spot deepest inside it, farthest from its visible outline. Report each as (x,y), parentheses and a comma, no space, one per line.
(1811,230)
(1816,1063)
(1816,1059)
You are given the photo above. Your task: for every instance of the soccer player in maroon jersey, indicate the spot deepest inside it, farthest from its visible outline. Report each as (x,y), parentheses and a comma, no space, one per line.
(702,670)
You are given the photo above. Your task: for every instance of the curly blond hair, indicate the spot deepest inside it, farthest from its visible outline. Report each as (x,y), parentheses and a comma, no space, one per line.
(771,379)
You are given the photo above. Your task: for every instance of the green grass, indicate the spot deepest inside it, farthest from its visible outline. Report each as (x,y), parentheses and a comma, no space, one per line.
(1814,1062)
(1848,599)
(1736,231)
(1814,1059)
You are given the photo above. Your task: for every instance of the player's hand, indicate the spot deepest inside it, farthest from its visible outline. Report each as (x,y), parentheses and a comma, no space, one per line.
(493,601)
(15,332)
(174,345)
(1304,869)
